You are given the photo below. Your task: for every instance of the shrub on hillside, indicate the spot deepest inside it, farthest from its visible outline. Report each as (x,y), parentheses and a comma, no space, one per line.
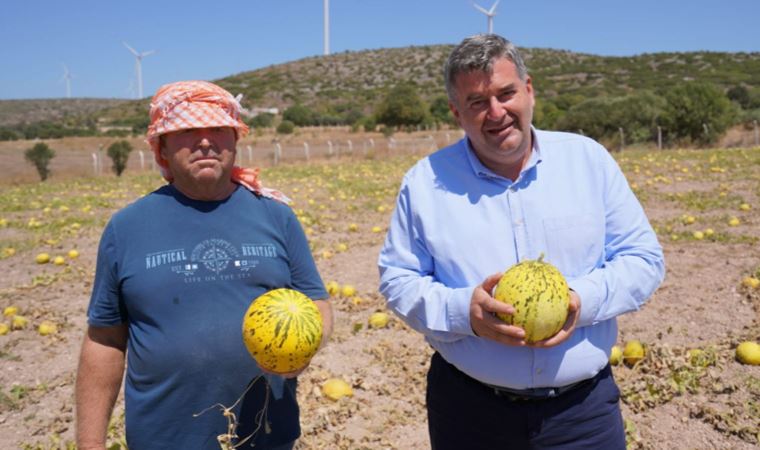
(263,120)
(440,111)
(119,154)
(697,112)
(601,118)
(286,127)
(40,156)
(402,107)
(300,115)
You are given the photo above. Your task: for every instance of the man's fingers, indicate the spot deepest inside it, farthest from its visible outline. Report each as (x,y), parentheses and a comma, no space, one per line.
(490,282)
(497,307)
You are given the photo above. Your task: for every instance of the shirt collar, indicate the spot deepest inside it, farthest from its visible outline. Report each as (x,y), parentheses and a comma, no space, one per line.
(480,170)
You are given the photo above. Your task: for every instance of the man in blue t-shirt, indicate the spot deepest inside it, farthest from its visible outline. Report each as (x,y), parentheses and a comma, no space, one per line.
(176,272)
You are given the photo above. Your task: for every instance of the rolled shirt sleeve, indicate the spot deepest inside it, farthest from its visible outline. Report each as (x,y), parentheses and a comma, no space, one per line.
(406,280)
(634,263)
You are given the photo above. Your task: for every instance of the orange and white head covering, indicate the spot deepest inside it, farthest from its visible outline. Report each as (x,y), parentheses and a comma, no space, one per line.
(199,104)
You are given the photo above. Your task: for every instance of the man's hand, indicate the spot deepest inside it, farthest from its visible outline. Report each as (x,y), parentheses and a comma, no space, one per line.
(573,312)
(483,320)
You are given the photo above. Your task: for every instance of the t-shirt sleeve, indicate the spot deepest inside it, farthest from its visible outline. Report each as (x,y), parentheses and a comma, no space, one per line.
(303,269)
(106,308)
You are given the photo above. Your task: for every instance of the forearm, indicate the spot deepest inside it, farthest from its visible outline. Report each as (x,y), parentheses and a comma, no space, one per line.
(623,285)
(101,368)
(435,310)
(325,309)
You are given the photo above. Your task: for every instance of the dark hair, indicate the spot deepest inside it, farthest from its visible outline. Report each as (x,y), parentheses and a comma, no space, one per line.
(477,53)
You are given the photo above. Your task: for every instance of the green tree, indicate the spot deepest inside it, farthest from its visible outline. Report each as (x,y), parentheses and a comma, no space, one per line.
(602,118)
(698,112)
(402,107)
(546,114)
(40,155)
(300,115)
(286,127)
(119,154)
(262,120)
(439,109)
(740,95)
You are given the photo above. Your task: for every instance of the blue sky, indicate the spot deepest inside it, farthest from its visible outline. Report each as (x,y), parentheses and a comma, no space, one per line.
(194,40)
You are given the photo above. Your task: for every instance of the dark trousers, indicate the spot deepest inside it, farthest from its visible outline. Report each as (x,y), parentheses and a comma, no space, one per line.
(464,414)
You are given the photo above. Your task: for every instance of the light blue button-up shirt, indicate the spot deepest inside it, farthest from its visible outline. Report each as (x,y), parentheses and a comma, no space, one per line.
(456,222)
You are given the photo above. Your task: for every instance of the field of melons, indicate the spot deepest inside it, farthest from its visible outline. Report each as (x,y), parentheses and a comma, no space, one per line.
(688,391)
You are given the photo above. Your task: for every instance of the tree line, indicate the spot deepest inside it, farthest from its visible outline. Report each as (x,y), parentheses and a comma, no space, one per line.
(691,113)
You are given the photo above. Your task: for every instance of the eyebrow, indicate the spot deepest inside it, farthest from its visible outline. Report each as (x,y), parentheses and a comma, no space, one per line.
(478,96)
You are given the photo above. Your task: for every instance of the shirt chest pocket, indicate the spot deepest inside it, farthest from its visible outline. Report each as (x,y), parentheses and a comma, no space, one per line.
(575,244)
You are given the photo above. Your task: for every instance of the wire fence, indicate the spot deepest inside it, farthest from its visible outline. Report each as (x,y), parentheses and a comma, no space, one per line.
(90,159)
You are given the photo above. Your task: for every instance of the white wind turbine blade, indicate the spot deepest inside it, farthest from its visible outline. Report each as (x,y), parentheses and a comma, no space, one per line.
(481,9)
(149,52)
(131,50)
(492,11)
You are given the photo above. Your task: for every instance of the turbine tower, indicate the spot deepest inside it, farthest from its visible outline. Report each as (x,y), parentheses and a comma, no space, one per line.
(138,66)
(489,13)
(67,79)
(327,27)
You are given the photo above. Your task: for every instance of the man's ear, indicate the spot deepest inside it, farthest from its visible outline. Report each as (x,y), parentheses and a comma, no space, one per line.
(455,112)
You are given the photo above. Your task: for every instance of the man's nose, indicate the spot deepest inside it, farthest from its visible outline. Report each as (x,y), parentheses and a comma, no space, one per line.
(204,142)
(495,109)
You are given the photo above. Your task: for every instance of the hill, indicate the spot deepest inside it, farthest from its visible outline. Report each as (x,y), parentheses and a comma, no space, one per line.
(342,87)
(14,112)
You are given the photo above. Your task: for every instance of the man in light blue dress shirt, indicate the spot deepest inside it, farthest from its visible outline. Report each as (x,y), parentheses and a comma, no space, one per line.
(505,193)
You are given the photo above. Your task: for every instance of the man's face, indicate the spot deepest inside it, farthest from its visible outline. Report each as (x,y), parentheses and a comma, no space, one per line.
(496,110)
(200,156)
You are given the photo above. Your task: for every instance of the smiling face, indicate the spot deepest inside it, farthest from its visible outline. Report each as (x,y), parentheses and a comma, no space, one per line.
(496,110)
(200,160)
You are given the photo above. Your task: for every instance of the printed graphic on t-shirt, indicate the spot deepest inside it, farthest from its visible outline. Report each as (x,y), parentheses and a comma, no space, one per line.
(211,260)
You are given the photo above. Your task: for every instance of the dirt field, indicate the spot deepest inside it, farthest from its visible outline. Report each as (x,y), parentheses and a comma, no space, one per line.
(670,400)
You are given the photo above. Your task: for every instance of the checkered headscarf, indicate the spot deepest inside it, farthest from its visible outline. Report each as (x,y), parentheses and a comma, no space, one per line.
(199,104)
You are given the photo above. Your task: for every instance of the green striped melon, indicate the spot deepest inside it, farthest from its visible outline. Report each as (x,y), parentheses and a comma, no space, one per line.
(540,296)
(282,330)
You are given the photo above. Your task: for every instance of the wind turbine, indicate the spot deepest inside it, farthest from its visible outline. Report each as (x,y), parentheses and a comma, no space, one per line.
(67,79)
(327,27)
(131,89)
(138,66)
(489,13)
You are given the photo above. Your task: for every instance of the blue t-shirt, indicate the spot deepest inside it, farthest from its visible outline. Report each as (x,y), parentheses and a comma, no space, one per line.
(181,273)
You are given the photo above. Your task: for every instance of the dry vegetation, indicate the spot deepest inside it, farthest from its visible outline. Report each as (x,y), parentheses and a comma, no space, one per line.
(670,400)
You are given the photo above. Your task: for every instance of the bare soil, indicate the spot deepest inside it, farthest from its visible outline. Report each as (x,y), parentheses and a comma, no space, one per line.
(669,401)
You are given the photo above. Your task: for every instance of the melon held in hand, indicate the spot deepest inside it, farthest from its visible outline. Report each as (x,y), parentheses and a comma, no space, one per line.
(540,296)
(282,330)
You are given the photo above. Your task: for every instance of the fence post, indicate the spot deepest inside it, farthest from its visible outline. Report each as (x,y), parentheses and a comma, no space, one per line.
(350,146)
(757,134)
(622,138)
(659,137)
(250,155)
(306,150)
(277,153)
(95,164)
(329,148)
(142,160)
(100,159)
